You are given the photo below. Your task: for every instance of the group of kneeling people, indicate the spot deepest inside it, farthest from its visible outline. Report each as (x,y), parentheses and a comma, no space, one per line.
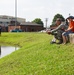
(62,31)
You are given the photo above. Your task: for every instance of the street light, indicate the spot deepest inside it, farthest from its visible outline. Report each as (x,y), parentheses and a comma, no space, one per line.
(69,14)
(15,13)
(46,19)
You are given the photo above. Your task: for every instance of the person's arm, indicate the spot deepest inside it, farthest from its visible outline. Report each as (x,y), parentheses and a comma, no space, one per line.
(69,29)
(48,31)
(59,27)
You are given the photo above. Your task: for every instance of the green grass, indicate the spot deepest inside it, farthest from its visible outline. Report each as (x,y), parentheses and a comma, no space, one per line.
(36,55)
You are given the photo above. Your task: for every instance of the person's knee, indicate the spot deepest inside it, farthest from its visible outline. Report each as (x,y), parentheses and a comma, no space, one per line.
(64,34)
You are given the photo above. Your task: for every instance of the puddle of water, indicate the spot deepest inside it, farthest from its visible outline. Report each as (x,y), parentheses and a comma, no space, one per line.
(5,50)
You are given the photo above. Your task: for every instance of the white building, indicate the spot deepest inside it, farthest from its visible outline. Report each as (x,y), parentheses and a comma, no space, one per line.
(5,20)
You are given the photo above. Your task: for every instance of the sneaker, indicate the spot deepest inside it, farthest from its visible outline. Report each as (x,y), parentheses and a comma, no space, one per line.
(63,43)
(52,42)
(60,42)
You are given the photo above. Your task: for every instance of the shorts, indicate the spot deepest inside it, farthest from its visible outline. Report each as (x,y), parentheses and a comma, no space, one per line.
(67,33)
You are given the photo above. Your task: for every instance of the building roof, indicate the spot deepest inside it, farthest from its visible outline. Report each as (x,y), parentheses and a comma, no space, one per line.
(27,24)
(5,18)
(30,23)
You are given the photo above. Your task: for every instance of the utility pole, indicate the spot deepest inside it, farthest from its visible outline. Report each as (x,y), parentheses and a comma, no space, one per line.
(15,13)
(46,19)
(69,14)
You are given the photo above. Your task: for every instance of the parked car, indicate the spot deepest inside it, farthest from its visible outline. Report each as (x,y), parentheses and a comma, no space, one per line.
(16,30)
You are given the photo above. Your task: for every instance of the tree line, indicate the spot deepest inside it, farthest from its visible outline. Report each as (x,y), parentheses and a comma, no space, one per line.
(39,21)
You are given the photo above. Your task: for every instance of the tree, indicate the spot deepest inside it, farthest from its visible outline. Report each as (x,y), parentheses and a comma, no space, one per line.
(57,16)
(38,21)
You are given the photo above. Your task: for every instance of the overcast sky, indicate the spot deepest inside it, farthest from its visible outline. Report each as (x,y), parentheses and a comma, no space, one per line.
(31,9)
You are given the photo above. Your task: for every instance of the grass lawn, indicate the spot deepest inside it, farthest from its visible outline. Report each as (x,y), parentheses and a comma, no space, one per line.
(36,55)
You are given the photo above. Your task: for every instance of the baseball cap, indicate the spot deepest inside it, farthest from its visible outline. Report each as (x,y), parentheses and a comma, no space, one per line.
(70,17)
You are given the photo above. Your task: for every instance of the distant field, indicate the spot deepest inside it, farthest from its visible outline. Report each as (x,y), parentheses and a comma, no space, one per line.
(36,55)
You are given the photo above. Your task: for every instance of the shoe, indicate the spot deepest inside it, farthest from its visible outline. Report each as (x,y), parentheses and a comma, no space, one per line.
(52,42)
(60,42)
(64,43)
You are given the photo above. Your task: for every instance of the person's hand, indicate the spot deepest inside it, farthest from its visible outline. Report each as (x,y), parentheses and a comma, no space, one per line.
(66,30)
(48,32)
